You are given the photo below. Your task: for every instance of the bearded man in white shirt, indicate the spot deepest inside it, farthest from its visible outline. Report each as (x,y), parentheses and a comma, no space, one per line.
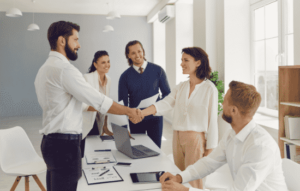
(252,154)
(61,90)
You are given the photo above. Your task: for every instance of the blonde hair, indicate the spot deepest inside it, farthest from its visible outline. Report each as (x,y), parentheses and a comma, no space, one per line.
(244,97)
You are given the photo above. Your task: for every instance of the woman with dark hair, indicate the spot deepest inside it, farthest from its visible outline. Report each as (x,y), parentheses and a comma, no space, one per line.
(95,123)
(195,104)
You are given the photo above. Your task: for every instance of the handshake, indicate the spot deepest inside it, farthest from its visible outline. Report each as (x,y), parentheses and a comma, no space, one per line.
(135,115)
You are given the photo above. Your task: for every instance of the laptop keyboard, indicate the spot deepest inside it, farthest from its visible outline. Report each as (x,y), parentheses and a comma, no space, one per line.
(137,152)
(143,148)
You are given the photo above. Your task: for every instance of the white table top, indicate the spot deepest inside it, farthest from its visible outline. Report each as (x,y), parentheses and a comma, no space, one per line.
(150,164)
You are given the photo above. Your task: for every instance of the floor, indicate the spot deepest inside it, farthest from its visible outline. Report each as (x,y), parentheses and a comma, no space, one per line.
(32,125)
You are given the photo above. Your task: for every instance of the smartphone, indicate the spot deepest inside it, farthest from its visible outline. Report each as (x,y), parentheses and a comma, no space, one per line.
(123,164)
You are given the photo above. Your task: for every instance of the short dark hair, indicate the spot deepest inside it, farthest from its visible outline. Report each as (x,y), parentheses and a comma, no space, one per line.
(131,43)
(244,97)
(97,55)
(204,70)
(60,28)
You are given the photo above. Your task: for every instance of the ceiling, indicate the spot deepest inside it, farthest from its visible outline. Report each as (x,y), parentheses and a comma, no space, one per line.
(92,7)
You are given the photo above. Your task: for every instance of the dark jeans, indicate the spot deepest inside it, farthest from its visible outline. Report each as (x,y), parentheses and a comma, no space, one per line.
(152,125)
(63,160)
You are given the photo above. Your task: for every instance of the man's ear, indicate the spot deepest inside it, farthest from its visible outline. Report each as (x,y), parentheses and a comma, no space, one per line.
(235,110)
(61,41)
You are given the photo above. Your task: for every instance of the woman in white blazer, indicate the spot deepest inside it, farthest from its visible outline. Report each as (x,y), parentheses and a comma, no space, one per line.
(93,123)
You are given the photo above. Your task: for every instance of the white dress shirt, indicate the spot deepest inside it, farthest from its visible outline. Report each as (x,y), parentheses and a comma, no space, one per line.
(198,113)
(61,89)
(143,66)
(253,157)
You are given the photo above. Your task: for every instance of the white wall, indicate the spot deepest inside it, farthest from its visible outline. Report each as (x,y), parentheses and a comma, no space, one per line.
(184,35)
(179,34)
(237,41)
(209,31)
(171,52)
(159,44)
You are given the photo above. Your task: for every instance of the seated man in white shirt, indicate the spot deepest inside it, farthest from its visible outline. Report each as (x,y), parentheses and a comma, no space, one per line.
(252,154)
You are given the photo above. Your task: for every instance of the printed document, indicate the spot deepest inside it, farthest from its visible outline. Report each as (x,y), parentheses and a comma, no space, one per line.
(148,101)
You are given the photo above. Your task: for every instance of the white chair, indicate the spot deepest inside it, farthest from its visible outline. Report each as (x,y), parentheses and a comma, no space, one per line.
(291,171)
(18,157)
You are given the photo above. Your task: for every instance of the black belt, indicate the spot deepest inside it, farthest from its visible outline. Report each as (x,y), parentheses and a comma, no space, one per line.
(64,136)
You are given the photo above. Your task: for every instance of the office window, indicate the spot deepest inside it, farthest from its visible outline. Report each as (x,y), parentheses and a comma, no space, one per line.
(272,46)
(289,32)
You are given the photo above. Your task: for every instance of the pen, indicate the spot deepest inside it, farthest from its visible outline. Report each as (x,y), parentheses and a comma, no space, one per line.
(104,172)
(102,150)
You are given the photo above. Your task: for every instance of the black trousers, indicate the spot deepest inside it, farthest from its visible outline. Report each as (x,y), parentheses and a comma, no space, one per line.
(63,160)
(153,126)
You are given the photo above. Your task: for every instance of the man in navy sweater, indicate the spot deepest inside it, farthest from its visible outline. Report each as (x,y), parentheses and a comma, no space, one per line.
(140,81)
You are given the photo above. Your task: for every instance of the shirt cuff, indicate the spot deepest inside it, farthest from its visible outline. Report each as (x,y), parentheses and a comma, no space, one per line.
(196,189)
(186,176)
(85,107)
(157,111)
(106,104)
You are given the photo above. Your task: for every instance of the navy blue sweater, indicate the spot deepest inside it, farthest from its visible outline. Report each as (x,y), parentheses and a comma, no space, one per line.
(137,87)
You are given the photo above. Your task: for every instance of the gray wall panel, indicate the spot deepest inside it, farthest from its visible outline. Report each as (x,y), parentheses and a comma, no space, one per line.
(23,52)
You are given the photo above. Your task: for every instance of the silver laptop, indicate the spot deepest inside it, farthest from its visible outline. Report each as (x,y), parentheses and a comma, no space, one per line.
(123,144)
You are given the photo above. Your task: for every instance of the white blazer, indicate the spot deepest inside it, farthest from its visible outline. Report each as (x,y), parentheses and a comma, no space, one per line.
(89,116)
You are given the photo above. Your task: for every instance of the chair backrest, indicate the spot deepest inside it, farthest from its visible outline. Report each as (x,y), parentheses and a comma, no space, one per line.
(15,147)
(291,171)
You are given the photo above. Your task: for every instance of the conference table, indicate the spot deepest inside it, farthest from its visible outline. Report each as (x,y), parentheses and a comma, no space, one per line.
(150,164)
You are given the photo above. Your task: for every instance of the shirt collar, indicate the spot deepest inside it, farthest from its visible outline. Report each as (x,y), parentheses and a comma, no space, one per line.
(144,65)
(59,55)
(242,135)
(198,85)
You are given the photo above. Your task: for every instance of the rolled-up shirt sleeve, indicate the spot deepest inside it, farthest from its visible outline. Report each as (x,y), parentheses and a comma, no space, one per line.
(167,103)
(74,83)
(212,130)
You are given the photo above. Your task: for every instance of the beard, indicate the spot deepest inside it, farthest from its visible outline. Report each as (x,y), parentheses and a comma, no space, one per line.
(72,55)
(227,118)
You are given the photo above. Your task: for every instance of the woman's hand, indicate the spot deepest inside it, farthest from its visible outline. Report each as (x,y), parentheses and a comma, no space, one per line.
(207,152)
(91,109)
(106,131)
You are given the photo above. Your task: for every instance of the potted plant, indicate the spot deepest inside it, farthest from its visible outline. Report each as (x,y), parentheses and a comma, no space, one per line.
(214,78)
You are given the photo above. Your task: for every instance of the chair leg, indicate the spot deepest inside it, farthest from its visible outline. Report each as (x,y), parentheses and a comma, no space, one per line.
(36,178)
(16,183)
(26,183)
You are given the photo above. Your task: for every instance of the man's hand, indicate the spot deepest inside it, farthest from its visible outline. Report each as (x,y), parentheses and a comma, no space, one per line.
(135,115)
(173,186)
(168,176)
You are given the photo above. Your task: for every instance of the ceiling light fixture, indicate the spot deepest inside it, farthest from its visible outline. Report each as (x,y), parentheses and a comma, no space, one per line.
(108,28)
(113,13)
(13,12)
(33,26)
